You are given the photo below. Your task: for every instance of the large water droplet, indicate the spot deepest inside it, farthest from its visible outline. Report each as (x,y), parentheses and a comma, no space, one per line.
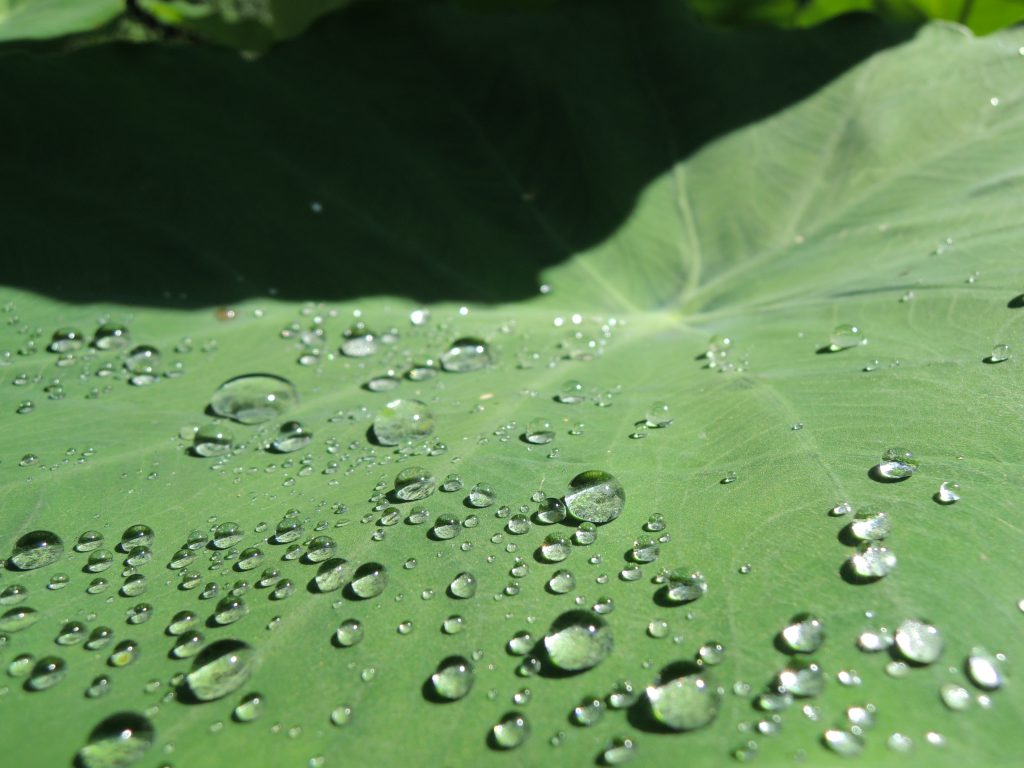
(873,561)
(801,678)
(463,586)
(333,574)
(539,431)
(454,678)
(870,525)
(897,464)
(465,355)
(414,483)
(349,633)
(402,421)
(595,496)
(369,580)
(254,398)
(843,742)
(684,585)
(119,741)
(684,703)
(35,550)
(918,641)
(222,668)
(578,640)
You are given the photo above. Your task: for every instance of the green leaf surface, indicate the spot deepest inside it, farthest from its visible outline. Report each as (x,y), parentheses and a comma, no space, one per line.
(982,16)
(456,165)
(45,19)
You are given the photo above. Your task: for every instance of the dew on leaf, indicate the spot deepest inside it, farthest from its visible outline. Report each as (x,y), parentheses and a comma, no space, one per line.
(221,668)
(453,678)
(466,355)
(578,640)
(414,484)
(897,464)
(254,398)
(595,496)
(684,703)
(402,421)
(291,436)
(36,549)
(119,741)
(918,641)
(511,731)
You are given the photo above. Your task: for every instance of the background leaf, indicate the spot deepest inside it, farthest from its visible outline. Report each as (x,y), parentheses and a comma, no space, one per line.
(463,160)
(45,19)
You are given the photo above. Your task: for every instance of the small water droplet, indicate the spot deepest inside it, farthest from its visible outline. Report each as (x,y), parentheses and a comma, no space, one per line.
(402,421)
(804,634)
(511,731)
(291,437)
(948,493)
(983,669)
(846,337)
(897,464)
(414,484)
(249,708)
(918,641)
(1000,353)
(466,355)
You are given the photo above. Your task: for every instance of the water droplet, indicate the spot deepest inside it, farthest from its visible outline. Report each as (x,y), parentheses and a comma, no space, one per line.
(571,393)
(730,477)
(454,678)
(1000,353)
(414,483)
(358,341)
(683,585)
(35,550)
(801,678)
(349,633)
(229,610)
(369,580)
(561,582)
(539,431)
(657,628)
(124,653)
(655,523)
(846,337)
(402,421)
(222,668)
(983,669)
(320,548)
(88,541)
(342,715)
(249,708)
(291,437)
(136,536)
(333,574)
(466,355)
(511,731)
(595,496)
(949,492)
(482,495)
(17,619)
(954,696)
(46,673)
(211,440)
(550,511)
(918,641)
(645,549)
(897,464)
(804,634)
(578,640)
(254,398)
(870,525)
(119,741)
(446,527)
(684,703)
(451,484)
(585,535)
(556,547)
(518,524)
(463,586)
(899,742)
(873,561)
(182,622)
(453,625)
(588,712)
(711,653)
(111,336)
(843,742)
(520,644)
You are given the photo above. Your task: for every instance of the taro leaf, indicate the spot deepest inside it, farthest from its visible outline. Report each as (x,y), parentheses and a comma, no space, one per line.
(455,166)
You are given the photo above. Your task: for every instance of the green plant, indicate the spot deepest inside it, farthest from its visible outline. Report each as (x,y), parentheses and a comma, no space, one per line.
(432,181)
